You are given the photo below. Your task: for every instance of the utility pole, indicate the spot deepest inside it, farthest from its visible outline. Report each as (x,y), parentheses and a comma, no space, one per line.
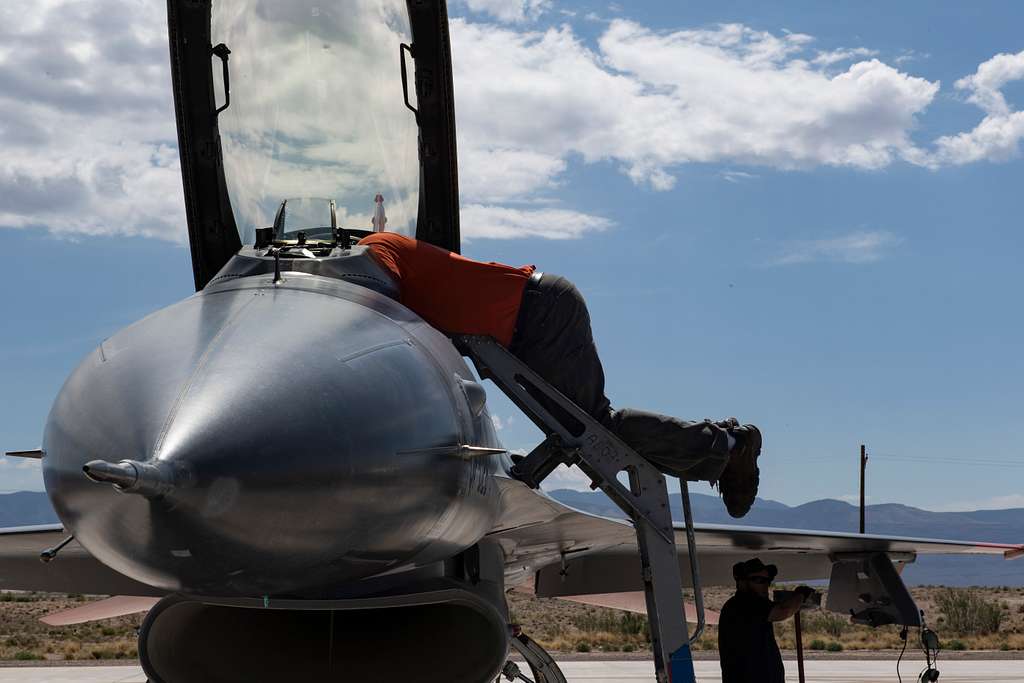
(863,467)
(799,646)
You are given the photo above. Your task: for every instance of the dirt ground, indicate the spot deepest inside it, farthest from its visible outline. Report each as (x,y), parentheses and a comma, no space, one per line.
(570,627)
(24,638)
(558,625)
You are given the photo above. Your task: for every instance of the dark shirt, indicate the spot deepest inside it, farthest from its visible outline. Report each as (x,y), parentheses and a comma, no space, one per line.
(746,641)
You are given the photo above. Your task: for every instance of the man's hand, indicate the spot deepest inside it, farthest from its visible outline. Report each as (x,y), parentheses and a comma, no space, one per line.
(805,592)
(786,608)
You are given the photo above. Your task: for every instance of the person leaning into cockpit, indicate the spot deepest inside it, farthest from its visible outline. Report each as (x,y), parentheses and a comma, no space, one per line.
(543,320)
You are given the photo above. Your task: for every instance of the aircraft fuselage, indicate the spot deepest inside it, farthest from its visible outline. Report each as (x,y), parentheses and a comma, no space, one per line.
(308,431)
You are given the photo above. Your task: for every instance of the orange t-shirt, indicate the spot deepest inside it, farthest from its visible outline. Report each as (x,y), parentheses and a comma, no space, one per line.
(455,294)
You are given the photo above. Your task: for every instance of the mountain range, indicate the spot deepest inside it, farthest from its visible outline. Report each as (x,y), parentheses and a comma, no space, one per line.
(998,526)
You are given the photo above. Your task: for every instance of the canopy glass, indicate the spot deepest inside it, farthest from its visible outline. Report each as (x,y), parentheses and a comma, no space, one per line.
(316,110)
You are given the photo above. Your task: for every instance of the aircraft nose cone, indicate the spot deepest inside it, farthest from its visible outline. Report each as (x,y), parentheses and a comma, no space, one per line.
(261,441)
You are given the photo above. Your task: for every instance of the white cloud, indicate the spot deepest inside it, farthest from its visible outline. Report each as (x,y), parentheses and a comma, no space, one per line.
(1013,500)
(510,10)
(89,142)
(997,137)
(854,498)
(495,174)
(650,101)
(501,423)
(86,121)
(856,247)
(911,56)
(30,464)
(737,176)
(734,94)
(984,86)
(21,474)
(566,478)
(503,222)
(842,55)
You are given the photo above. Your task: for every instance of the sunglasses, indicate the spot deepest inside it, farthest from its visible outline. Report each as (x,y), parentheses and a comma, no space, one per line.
(762,580)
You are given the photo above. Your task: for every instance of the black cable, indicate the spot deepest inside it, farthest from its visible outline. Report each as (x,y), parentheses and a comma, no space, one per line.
(903,635)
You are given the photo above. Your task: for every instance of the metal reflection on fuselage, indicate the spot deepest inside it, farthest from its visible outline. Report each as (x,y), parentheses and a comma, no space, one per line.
(308,416)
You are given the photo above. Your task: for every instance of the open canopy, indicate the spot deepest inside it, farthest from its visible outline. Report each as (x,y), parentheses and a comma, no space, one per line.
(347,101)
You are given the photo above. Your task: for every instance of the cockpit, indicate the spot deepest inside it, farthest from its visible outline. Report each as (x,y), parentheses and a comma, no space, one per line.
(316,109)
(312,217)
(307,227)
(305,125)
(306,237)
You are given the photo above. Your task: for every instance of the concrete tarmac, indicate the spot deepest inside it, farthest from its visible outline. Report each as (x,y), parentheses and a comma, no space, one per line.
(821,671)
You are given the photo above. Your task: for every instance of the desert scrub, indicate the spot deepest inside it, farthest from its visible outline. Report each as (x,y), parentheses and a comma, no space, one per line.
(627,623)
(829,623)
(968,613)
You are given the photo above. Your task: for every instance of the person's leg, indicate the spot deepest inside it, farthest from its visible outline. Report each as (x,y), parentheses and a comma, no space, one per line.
(688,450)
(553,338)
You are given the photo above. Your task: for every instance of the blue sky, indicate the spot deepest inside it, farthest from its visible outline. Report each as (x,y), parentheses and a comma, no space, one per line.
(806,215)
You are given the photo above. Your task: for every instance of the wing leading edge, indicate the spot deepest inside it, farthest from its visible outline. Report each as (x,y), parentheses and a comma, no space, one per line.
(73,571)
(570,552)
(538,535)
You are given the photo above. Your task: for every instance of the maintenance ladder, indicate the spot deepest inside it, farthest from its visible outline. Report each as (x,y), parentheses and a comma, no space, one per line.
(576,438)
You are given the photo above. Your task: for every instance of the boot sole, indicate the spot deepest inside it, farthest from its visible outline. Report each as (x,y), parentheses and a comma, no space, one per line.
(741,477)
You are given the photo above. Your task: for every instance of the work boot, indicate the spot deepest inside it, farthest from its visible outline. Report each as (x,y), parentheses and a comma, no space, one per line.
(728,423)
(738,483)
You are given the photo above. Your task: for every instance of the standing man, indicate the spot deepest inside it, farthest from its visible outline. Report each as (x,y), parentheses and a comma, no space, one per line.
(746,638)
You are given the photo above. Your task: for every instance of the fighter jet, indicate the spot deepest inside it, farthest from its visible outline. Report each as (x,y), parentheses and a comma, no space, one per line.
(293,473)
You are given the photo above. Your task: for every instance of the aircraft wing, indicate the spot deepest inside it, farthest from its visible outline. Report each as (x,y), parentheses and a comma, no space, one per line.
(569,552)
(73,571)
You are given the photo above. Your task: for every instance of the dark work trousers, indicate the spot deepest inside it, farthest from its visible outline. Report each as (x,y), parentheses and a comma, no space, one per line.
(553,337)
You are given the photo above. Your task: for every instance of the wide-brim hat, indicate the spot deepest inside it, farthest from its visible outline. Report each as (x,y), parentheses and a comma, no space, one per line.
(742,570)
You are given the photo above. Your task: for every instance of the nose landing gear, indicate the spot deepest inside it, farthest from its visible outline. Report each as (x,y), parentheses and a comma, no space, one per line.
(542,666)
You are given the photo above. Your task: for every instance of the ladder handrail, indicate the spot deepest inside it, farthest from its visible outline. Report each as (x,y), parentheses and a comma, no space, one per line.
(691,553)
